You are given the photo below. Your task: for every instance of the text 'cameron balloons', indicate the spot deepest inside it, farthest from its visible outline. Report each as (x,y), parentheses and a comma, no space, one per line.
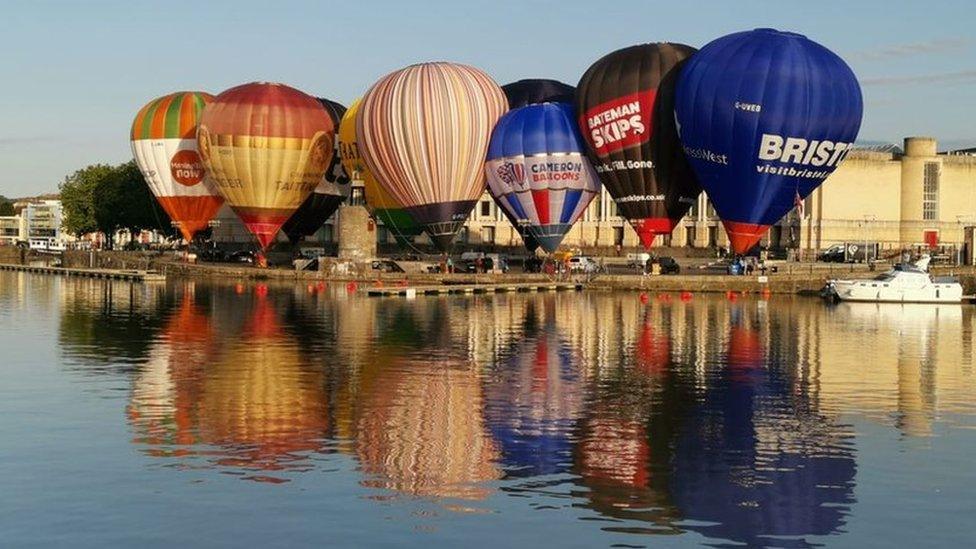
(381,204)
(266,146)
(164,145)
(625,104)
(537,90)
(538,172)
(765,116)
(331,191)
(423,132)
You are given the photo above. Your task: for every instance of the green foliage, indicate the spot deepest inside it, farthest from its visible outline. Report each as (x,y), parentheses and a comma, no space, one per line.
(6,206)
(106,199)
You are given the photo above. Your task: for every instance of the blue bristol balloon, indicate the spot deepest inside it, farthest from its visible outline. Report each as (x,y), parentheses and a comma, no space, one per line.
(765,116)
(538,173)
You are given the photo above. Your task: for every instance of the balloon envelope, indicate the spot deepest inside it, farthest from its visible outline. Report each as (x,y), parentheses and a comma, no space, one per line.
(267,147)
(332,191)
(625,104)
(538,172)
(765,116)
(423,133)
(164,146)
(537,90)
(381,204)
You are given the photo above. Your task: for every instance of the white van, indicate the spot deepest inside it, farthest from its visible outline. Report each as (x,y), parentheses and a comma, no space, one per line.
(638,260)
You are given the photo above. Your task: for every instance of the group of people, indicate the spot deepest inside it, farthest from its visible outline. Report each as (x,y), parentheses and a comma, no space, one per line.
(747,266)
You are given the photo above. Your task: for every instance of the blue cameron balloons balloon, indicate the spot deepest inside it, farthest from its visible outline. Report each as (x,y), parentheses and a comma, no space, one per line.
(764,116)
(538,172)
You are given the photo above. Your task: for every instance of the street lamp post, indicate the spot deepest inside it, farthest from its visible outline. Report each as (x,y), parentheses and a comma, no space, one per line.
(867,217)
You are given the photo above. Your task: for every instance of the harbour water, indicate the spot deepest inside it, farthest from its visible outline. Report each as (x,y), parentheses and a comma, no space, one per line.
(192,413)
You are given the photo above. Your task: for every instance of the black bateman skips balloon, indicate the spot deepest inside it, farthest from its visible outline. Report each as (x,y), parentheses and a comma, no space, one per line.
(625,105)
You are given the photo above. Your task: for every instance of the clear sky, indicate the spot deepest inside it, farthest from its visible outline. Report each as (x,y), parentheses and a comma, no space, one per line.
(75,73)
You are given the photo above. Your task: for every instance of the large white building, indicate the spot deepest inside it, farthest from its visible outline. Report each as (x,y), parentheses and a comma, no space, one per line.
(39,223)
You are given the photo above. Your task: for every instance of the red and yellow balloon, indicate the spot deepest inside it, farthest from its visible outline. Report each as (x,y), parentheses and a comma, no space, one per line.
(266,147)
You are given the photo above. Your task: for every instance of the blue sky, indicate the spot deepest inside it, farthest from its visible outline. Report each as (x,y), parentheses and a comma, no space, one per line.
(77,72)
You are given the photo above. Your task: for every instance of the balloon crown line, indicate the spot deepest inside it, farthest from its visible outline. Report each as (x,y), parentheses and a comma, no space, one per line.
(770,30)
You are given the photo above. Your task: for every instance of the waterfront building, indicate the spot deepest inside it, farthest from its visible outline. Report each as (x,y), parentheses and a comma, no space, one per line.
(897,197)
(13,229)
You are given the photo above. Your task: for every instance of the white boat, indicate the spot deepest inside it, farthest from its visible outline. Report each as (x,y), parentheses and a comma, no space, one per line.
(905,283)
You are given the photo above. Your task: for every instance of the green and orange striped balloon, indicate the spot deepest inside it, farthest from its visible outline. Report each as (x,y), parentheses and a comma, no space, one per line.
(165,149)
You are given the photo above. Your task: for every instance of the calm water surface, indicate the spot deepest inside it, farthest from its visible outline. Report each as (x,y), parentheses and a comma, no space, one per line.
(210,414)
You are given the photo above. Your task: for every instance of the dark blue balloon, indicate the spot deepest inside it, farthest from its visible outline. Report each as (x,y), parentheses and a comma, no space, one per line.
(764,117)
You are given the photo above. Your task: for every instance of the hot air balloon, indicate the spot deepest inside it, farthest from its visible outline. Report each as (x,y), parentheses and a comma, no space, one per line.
(529,92)
(765,116)
(423,133)
(165,148)
(331,191)
(538,172)
(267,147)
(380,203)
(625,105)
(537,90)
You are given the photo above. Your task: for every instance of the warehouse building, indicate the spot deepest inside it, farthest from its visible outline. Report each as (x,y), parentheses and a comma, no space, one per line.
(895,197)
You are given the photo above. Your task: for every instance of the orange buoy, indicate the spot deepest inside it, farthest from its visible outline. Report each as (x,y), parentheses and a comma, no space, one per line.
(643,297)
(239,289)
(351,287)
(685,296)
(311,288)
(321,286)
(261,289)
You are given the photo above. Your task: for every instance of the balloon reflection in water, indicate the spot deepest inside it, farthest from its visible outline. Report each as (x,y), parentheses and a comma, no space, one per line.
(167,386)
(534,397)
(253,399)
(662,418)
(423,434)
(755,460)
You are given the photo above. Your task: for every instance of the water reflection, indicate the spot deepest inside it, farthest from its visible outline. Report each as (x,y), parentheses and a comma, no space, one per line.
(721,418)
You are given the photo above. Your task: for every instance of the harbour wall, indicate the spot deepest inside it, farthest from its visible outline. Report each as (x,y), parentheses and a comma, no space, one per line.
(791,278)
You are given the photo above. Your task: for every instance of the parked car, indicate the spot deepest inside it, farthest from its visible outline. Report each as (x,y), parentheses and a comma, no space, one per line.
(583,264)
(833,254)
(386,266)
(638,260)
(242,256)
(668,265)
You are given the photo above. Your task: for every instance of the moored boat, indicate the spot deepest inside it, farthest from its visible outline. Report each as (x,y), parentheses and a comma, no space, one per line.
(904,283)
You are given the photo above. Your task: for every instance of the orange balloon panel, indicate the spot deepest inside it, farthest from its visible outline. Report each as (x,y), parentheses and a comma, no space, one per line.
(266,146)
(192,212)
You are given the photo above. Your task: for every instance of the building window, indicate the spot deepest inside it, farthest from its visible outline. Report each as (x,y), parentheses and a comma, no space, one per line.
(593,212)
(618,236)
(930,192)
(690,235)
(485,208)
(357,197)
(488,235)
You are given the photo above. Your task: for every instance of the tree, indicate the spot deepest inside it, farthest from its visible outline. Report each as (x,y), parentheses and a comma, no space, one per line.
(108,199)
(6,206)
(78,199)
